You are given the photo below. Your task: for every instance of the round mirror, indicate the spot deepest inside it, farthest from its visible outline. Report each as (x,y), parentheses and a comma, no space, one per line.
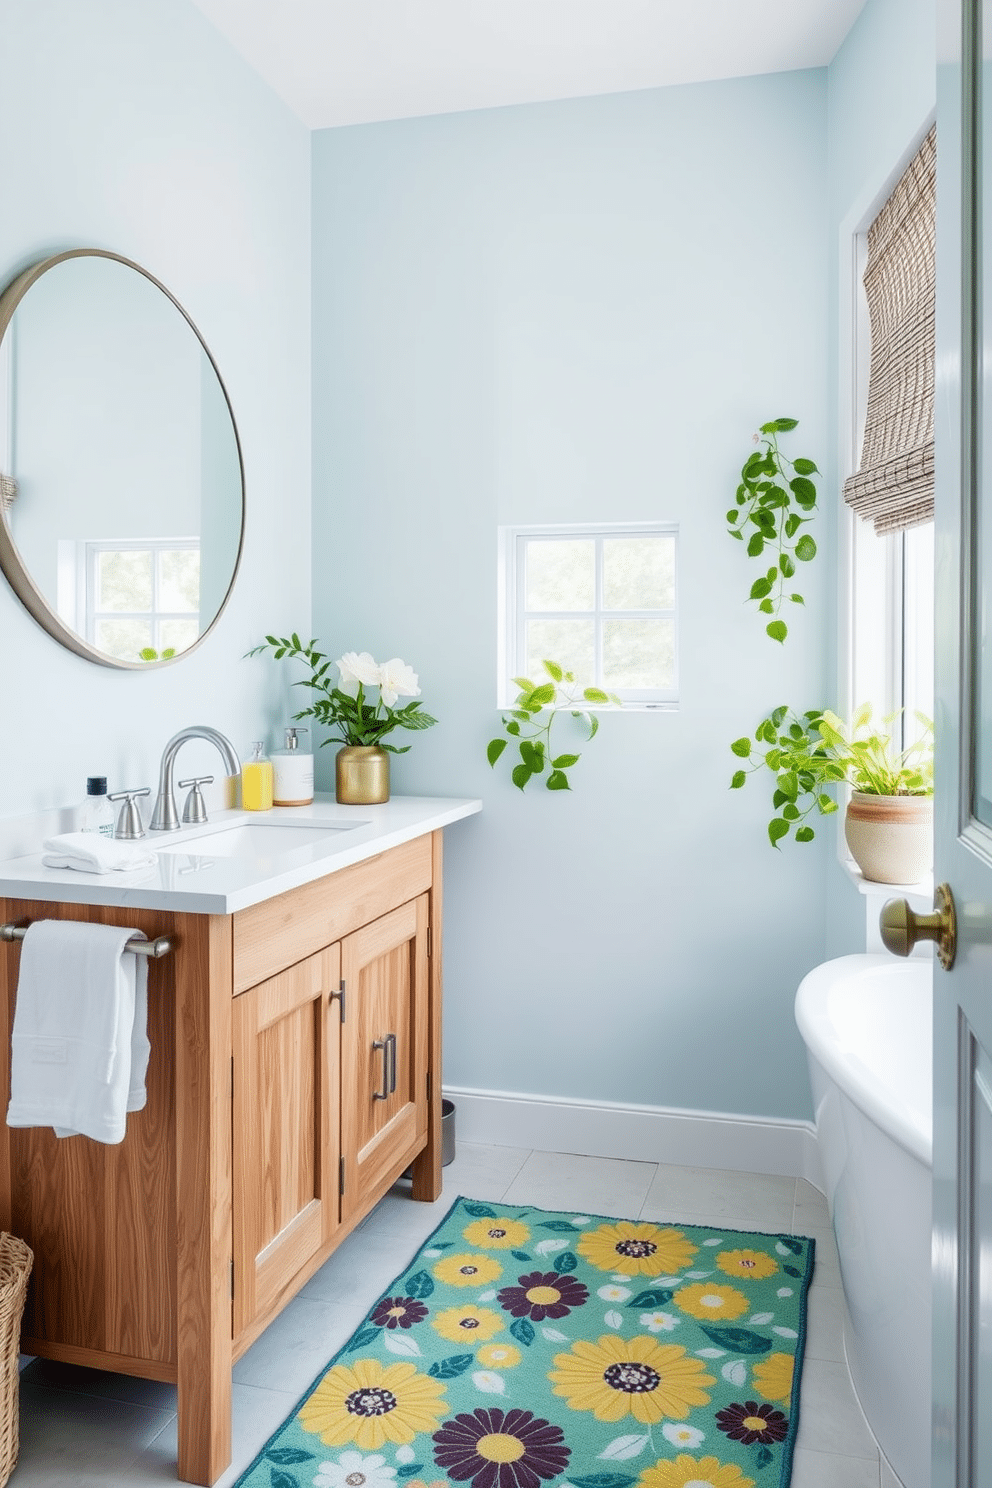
(121,481)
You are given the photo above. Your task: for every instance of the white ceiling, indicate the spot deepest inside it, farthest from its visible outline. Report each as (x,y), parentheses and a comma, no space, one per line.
(354,61)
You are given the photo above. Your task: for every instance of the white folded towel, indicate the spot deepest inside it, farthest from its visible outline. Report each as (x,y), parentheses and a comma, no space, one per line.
(79,1049)
(88,852)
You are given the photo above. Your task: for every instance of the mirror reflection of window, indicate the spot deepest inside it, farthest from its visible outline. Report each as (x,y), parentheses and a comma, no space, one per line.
(141,598)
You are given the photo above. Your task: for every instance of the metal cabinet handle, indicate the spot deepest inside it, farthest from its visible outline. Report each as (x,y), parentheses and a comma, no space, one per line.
(382,1044)
(388,1047)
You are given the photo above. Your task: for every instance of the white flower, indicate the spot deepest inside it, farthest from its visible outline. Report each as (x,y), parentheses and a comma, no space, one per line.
(353,1470)
(658,1322)
(681,1435)
(355,667)
(396,679)
(613,1293)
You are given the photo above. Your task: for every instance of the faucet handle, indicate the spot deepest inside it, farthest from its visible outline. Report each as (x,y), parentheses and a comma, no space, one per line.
(129,827)
(195,811)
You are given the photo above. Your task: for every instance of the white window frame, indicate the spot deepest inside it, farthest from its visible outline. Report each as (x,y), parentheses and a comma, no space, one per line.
(78,579)
(513,615)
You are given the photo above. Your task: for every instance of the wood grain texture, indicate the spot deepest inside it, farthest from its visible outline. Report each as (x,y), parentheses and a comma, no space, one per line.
(203,1187)
(427,1176)
(271,936)
(101,1219)
(384,966)
(287,1058)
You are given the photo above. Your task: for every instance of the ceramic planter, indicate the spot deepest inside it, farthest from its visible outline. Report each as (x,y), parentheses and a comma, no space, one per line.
(361,775)
(890,837)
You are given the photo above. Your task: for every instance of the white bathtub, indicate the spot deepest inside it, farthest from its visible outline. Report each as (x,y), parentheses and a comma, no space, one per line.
(866,1023)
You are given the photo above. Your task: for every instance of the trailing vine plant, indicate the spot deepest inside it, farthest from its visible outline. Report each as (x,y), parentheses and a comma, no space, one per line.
(529,722)
(775,500)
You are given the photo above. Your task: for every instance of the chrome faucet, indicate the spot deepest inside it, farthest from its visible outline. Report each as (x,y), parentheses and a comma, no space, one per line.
(165,817)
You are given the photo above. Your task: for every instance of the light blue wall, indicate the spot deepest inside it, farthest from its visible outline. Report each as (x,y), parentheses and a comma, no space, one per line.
(572,312)
(881,100)
(134,127)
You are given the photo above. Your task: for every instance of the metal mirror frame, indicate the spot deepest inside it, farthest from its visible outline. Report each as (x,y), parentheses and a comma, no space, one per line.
(11,564)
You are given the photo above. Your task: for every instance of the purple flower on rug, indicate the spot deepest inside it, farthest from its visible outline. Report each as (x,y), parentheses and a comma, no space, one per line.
(543,1294)
(398,1312)
(752,1422)
(515,1449)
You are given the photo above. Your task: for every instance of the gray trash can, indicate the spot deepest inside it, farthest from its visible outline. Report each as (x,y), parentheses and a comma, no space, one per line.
(447,1136)
(447,1132)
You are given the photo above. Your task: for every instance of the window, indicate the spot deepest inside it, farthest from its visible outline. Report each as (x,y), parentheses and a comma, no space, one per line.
(892,490)
(125,597)
(600,600)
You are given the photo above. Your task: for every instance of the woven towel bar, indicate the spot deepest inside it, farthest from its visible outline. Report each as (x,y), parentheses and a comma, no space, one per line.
(160,946)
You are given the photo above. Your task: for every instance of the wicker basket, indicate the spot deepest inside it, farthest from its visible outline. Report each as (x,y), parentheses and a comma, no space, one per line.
(16,1259)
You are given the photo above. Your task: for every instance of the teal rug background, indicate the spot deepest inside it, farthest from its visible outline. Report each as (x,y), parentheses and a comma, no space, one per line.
(527,1348)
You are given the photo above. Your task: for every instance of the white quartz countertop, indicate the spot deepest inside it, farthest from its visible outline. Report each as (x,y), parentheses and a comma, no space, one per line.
(193,875)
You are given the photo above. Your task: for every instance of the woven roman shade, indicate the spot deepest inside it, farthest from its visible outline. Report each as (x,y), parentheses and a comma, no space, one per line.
(894,485)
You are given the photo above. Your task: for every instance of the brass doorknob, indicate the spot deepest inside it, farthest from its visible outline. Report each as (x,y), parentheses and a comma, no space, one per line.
(901,927)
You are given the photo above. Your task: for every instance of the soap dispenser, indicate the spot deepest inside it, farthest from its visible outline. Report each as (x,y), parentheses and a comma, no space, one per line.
(256,781)
(292,772)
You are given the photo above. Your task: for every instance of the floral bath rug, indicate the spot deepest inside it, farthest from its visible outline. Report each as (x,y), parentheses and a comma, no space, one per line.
(523,1348)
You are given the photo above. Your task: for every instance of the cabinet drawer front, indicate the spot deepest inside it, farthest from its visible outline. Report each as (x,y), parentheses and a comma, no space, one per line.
(271,936)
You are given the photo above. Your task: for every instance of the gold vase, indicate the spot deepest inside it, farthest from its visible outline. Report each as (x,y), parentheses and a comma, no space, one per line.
(361,775)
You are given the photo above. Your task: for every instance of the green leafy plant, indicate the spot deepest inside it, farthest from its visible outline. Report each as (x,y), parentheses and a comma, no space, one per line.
(529,722)
(809,753)
(775,500)
(148,653)
(355,715)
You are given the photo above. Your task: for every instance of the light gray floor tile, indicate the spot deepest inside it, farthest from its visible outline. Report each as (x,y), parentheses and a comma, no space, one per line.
(571,1182)
(830,1417)
(764,1199)
(826,1264)
(828,1470)
(887,1477)
(825,1323)
(298,1343)
(71,1438)
(255,1415)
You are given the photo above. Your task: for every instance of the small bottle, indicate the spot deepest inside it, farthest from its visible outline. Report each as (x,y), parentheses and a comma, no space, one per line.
(96,813)
(256,781)
(292,772)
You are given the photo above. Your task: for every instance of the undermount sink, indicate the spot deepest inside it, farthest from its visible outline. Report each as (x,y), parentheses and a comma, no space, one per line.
(261,839)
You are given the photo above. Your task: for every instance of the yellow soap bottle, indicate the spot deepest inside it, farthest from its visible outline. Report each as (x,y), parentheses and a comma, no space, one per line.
(256,781)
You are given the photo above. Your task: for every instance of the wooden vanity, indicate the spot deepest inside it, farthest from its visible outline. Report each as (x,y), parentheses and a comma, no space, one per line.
(295,1073)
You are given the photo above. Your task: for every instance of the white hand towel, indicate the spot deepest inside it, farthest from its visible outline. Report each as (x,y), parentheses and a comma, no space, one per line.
(88,852)
(79,1049)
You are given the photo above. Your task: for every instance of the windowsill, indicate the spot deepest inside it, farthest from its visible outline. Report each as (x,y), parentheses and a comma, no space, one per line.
(891,891)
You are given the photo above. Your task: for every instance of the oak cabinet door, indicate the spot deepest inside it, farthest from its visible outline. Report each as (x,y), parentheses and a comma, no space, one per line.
(286,1100)
(384,1051)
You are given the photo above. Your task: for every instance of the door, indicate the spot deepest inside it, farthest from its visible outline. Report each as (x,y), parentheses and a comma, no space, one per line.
(962,1422)
(384,1051)
(286,1043)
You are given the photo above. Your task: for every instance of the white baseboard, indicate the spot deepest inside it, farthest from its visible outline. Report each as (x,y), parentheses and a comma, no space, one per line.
(691,1139)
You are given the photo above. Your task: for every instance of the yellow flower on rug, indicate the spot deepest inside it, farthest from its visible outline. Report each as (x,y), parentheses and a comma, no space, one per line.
(468,1324)
(694,1472)
(773,1377)
(497,1234)
(498,1356)
(704,1300)
(749,1265)
(637,1377)
(468,1270)
(369,1403)
(636,1249)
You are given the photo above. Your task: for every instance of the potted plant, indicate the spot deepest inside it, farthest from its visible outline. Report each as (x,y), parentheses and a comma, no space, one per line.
(889,820)
(359,708)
